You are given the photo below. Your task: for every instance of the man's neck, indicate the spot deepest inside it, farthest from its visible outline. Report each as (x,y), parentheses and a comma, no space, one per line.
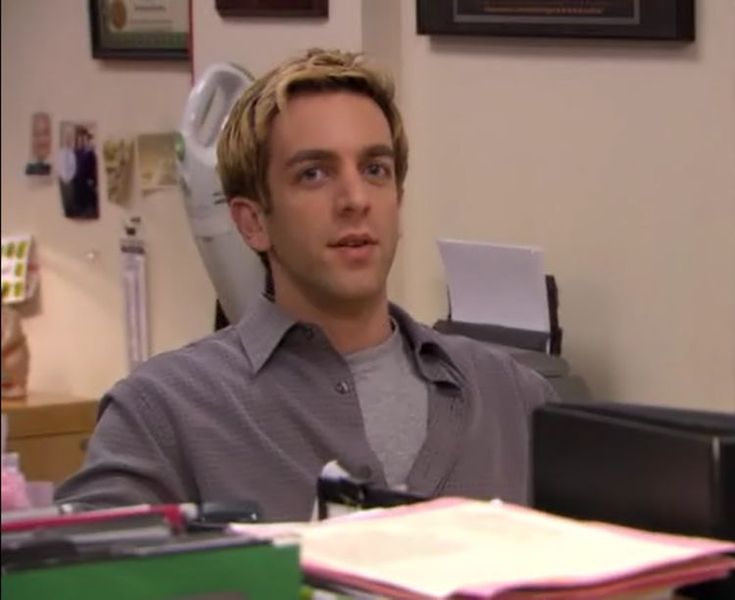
(355,328)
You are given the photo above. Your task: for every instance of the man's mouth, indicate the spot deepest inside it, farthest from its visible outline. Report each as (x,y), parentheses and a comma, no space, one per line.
(353,241)
(356,249)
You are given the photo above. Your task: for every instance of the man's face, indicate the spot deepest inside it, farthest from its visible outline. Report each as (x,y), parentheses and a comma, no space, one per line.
(333,225)
(67,136)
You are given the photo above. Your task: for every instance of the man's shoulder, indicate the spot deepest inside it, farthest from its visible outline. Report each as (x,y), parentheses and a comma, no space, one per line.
(459,348)
(490,358)
(485,364)
(196,367)
(205,352)
(494,367)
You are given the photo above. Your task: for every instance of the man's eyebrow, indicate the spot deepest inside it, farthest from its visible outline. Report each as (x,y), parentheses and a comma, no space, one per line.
(307,155)
(379,150)
(376,150)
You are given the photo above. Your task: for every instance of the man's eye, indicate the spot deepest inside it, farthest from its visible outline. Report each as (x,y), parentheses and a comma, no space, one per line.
(379,169)
(311,174)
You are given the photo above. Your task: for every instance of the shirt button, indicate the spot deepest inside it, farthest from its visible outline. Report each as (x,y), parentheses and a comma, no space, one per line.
(342,387)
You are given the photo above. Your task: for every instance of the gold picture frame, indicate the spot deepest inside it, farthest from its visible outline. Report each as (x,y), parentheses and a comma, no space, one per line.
(128,30)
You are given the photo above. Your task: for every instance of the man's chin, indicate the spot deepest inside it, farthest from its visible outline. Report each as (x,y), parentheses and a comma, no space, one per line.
(358,296)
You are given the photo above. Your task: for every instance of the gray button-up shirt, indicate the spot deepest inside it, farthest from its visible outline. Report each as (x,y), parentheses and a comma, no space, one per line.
(255,411)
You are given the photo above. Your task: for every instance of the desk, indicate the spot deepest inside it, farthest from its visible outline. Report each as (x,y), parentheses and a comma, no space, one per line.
(50,433)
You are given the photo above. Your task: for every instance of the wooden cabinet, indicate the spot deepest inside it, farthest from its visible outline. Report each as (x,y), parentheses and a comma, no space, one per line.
(50,433)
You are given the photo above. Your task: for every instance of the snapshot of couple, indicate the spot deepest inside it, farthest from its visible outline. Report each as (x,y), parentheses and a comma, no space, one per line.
(77,168)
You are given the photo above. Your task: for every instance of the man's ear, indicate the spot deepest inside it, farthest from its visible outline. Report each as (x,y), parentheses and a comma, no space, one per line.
(400,213)
(250,220)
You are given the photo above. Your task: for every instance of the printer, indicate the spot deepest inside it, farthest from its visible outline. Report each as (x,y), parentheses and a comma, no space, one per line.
(538,350)
(568,386)
(500,295)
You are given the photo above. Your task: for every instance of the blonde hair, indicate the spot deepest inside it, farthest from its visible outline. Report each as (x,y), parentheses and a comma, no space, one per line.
(242,150)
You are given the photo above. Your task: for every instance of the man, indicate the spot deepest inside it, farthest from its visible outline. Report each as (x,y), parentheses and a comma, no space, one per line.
(313,160)
(67,169)
(85,178)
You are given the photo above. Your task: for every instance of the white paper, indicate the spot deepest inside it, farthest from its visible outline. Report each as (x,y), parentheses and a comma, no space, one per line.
(496,284)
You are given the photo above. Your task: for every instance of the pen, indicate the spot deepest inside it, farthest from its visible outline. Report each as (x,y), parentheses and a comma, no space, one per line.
(188,515)
(178,515)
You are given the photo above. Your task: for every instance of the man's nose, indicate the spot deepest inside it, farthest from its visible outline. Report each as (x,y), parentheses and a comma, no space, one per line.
(352,193)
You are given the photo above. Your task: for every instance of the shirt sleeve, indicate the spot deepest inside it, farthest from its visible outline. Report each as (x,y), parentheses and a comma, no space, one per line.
(131,459)
(533,389)
(534,392)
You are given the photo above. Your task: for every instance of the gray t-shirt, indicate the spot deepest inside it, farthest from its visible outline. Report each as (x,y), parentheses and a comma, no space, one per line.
(393,399)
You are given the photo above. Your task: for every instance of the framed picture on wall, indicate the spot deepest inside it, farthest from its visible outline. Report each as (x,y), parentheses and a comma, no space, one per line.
(134,30)
(273,8)
(642,19)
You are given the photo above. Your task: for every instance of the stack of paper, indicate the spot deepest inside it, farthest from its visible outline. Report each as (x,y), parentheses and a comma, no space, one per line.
(472,549)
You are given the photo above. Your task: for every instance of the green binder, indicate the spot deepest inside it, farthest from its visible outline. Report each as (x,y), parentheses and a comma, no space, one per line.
(241,572)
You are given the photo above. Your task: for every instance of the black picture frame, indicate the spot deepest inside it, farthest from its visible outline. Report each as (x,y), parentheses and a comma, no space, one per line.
(112,39)
(630,19)
(273,8)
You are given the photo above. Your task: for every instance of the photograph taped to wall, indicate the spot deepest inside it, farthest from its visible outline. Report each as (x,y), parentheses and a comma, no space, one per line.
(117,155)
(40,144)
(76,165)
(157,161)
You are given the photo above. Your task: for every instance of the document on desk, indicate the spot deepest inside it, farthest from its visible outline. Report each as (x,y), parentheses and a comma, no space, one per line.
(473,549)
(496,284)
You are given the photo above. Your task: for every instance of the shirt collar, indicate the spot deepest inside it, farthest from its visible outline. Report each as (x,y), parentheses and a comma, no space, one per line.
(430,350)
(263,327)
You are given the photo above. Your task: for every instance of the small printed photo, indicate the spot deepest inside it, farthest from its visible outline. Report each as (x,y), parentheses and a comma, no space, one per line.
(117,156)
(157,161)
(40,144)
(76,166)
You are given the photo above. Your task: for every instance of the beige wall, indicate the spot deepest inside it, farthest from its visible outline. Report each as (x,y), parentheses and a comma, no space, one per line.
(618,158)
(76,332)
(257,44)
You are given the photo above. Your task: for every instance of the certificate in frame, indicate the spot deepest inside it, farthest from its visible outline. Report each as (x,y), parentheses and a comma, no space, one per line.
(632,19)
(140,30)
